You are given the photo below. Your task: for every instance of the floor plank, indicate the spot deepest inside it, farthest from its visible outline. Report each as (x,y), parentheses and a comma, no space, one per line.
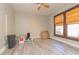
(42,47)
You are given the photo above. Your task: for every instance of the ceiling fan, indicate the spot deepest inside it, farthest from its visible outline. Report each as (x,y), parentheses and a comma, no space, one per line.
(42,5)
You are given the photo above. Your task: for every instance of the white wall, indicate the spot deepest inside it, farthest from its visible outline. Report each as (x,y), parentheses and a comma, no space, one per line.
(10,20)
(32,23)
(6,22)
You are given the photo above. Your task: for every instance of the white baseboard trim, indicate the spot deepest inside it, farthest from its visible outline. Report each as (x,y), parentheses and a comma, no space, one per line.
(67,41)
(33,37)
(2,49)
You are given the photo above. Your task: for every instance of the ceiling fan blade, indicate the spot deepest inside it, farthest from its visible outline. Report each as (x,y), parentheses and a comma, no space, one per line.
(47,6)
(39,7)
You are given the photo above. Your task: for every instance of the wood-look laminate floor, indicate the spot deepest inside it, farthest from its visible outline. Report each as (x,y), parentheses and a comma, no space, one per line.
(42,47)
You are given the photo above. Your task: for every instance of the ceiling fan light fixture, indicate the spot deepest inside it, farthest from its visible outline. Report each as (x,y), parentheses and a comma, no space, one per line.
(42,5)
(39,5)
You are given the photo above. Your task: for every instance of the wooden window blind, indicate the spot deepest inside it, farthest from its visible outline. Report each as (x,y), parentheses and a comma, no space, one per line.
(59,20)
(72,16)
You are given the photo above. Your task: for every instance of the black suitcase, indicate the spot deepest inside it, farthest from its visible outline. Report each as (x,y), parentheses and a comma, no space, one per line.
(11,41)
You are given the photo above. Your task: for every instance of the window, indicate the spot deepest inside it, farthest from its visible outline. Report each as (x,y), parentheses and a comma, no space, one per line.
(59,24)
(67,24)
(72,20)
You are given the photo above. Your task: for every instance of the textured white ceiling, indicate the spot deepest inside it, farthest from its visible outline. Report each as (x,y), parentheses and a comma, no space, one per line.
(32,8)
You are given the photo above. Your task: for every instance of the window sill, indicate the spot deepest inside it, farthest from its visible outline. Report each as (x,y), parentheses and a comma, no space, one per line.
(67,41)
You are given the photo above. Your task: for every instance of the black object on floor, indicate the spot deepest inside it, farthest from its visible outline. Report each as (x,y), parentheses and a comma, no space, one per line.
(11,41)
(28,36)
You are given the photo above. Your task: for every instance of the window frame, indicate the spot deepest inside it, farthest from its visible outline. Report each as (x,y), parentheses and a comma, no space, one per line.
(55,26)
(65,25)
